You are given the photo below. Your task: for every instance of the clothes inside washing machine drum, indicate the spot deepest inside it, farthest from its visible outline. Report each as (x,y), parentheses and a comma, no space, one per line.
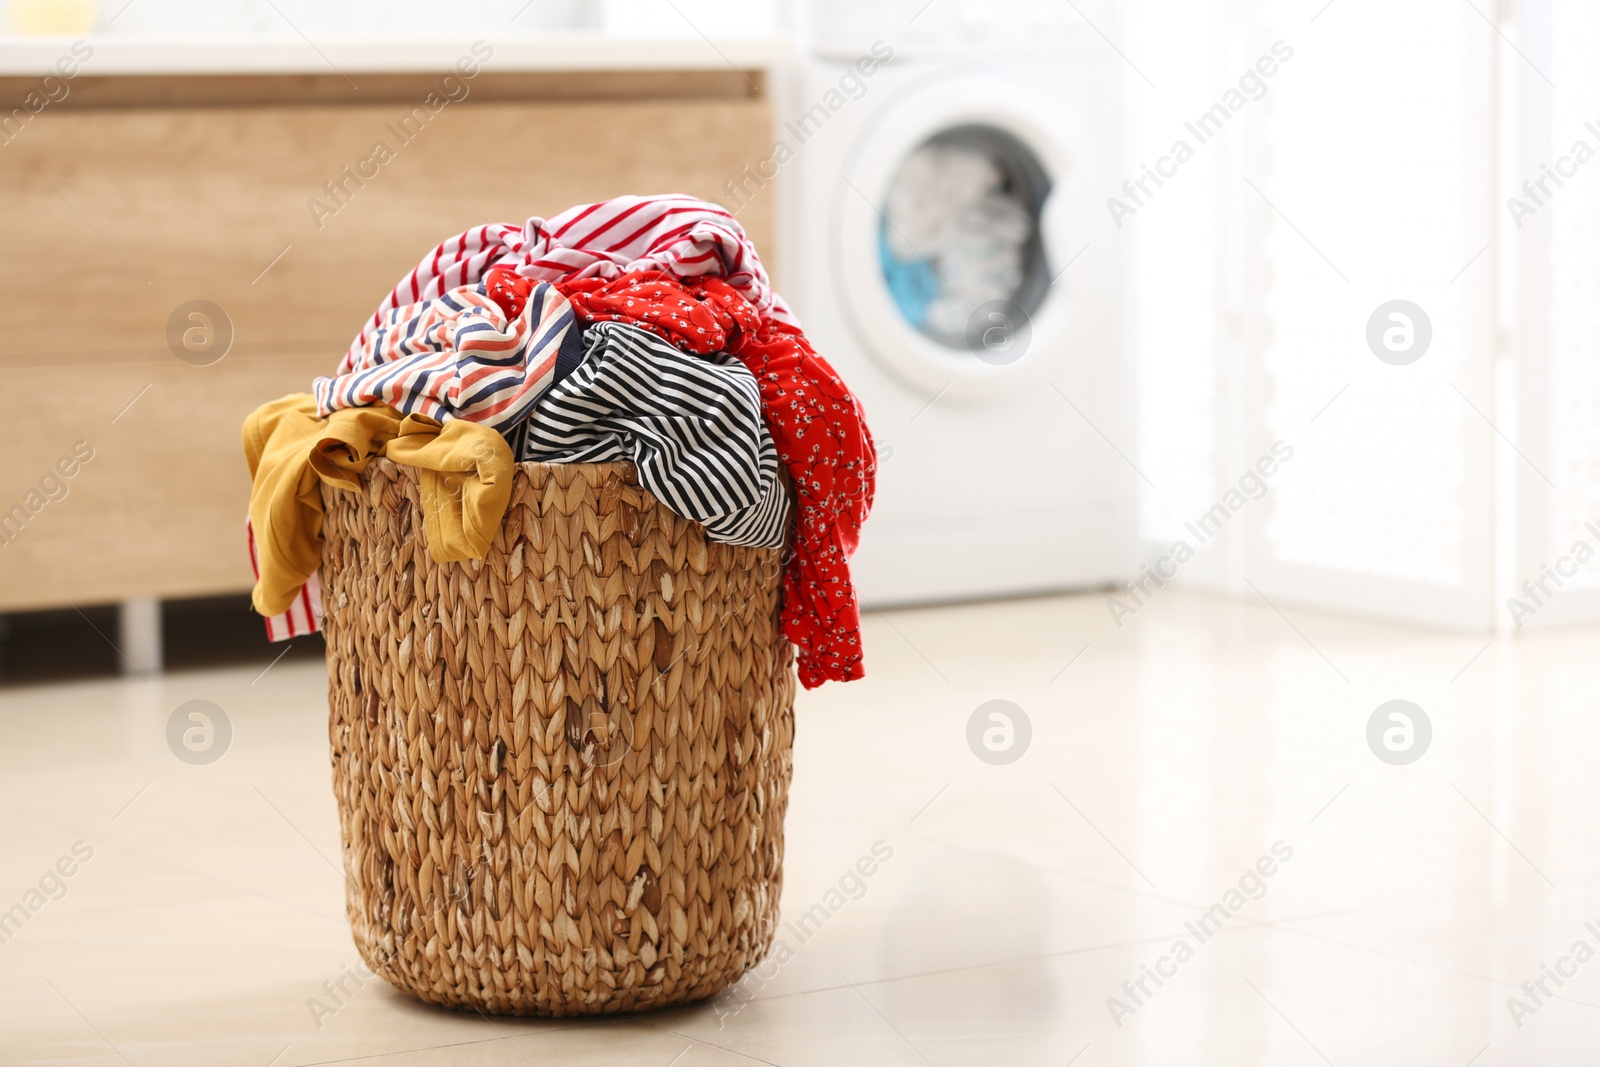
(959,231)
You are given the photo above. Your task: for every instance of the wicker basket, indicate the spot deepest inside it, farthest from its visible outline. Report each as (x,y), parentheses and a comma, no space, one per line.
(561,771)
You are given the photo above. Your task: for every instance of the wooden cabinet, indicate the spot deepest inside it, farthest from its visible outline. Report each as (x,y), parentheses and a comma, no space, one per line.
(136,195)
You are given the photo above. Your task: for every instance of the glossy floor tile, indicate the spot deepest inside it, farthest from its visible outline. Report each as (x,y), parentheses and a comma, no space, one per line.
(1197,858)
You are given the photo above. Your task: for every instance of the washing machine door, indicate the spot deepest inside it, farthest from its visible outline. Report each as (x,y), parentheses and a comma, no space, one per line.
(954,221)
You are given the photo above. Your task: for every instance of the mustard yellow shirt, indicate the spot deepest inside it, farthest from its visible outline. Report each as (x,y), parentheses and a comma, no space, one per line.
(466,483)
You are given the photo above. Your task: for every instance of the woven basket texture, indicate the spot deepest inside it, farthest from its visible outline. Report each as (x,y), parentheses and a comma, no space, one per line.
(562,770)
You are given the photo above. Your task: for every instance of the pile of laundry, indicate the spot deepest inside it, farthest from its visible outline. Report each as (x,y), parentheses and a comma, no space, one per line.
(640,329)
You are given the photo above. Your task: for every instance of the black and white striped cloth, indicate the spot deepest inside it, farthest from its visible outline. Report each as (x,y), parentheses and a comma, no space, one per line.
(691,425)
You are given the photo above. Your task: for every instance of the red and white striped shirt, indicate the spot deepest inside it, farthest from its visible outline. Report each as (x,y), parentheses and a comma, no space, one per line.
(304,616)
(682,235)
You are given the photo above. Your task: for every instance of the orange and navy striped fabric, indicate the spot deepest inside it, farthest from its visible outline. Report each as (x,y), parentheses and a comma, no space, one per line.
(462,355)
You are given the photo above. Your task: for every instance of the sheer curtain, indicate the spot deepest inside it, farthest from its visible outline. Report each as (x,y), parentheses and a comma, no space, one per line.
(1555,90)
(1351,165)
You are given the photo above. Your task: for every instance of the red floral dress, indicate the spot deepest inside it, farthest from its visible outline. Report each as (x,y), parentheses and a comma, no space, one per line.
(816,424)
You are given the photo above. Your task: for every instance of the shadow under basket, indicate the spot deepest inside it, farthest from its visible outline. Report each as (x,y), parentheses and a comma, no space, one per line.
(561,770)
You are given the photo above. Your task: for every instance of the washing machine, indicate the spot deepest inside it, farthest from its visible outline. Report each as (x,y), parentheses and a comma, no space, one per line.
(942,171)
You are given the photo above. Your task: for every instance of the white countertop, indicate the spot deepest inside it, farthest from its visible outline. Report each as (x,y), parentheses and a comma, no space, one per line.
(555,50)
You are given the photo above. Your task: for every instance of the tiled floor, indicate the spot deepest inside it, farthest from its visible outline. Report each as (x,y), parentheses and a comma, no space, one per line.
(1164,763)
